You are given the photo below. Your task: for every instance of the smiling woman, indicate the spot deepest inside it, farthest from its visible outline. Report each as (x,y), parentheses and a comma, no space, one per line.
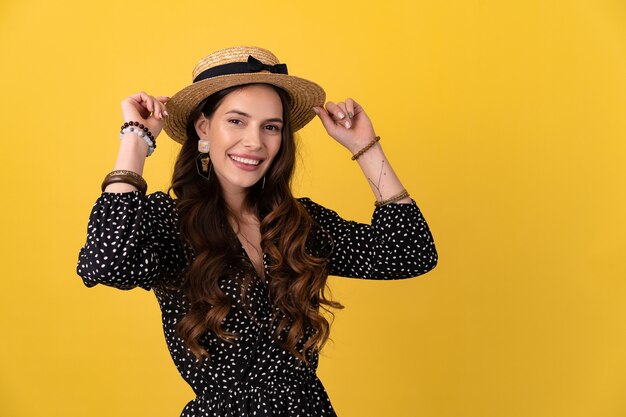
(239,265)
(244,135)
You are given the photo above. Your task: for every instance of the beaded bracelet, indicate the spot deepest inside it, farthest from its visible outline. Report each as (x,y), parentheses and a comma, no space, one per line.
(366,148)
(127,177)
(140,130)
(392,199)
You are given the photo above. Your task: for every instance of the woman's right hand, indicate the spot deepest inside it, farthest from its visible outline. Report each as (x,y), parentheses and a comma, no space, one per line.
(146,109)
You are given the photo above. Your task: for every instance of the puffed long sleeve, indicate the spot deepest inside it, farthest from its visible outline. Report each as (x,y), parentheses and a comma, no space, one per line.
(132,241)
(398,243)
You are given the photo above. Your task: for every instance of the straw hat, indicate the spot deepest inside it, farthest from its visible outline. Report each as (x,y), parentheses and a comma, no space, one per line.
(236,66)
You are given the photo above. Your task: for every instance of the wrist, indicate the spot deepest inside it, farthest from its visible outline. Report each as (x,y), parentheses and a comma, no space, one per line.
(142,144)
(359,143)
(142,132)
(365,148)
(131,140)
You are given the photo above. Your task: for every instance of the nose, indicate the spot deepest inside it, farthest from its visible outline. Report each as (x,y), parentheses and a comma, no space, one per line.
(252,139)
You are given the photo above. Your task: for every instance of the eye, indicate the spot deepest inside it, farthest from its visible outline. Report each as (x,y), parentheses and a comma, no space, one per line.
(235,121)
(273,128)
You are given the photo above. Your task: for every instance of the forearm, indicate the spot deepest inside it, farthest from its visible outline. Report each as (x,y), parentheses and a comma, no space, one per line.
(146,112)
(348,124)
(131,157)
(380,175)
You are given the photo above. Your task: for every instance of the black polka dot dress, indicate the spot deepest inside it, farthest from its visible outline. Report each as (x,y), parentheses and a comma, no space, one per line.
(133,241)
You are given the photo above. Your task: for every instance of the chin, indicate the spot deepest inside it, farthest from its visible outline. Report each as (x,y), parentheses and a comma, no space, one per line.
(239,183)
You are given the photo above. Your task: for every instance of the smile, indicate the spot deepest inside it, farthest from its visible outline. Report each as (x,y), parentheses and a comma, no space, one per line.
(247,161)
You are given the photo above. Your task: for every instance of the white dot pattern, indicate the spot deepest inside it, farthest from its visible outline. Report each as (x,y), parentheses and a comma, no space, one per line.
(133,241)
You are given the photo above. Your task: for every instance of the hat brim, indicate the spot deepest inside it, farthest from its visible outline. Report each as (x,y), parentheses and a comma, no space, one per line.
(304,96)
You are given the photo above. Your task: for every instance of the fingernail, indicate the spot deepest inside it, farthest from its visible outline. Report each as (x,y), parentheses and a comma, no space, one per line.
(316,110)
(350,115)
(348,124)
(165,113)
(341,115)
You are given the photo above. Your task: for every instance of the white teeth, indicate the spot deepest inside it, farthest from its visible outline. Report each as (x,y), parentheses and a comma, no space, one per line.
(245,160)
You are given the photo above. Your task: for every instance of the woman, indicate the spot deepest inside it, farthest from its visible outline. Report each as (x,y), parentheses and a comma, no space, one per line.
(239,266)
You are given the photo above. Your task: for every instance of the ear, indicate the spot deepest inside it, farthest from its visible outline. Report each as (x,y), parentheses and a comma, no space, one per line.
(202,125)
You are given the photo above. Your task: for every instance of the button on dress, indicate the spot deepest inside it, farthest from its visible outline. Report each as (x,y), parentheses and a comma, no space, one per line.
(133,241)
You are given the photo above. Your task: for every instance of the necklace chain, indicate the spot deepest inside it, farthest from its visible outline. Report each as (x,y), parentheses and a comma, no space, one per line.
(253,247)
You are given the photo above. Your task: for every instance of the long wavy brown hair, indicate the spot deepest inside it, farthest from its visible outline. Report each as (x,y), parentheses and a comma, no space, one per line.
(296,275)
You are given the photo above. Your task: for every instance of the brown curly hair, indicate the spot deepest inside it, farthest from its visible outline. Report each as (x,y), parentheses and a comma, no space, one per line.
(296,276)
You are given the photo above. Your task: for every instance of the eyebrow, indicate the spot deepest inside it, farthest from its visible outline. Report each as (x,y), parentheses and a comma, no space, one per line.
(239,112)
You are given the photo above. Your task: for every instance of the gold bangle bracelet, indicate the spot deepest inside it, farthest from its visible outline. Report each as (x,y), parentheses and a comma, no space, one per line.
(402,194)
(366,148)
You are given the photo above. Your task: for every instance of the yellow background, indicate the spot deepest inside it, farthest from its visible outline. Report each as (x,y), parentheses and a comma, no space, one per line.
(504,119)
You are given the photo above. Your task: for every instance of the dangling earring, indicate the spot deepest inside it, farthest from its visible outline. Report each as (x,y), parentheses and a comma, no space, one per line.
(263,186)
(203,161)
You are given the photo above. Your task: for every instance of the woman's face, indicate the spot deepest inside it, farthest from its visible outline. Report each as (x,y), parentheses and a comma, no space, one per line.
(245,134)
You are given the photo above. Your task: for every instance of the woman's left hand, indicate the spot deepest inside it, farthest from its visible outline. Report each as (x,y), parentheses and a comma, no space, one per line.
(347,123)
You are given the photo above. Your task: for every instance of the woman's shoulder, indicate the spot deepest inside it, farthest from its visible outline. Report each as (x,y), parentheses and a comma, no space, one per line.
(305,201)
(322,216)
(315,210)
(161,198)
(311,206)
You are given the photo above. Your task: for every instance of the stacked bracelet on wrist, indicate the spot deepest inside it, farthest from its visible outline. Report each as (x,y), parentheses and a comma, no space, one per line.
(402,194)
(140,130)
(127,177)
(366,148)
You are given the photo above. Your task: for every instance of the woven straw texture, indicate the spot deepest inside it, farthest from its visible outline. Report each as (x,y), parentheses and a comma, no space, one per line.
(304,94)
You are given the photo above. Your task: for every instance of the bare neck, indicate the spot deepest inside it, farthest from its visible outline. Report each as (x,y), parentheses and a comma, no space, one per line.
(235,201)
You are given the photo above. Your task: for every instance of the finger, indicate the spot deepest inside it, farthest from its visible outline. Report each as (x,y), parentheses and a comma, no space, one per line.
(346,122)
(350,107)
(139,98)
(151,106)
(162,100)
(342,108)
(145,101)
(357,107)
(158,108)
(326,119)
(155,108)
(138,101)
(335,111)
